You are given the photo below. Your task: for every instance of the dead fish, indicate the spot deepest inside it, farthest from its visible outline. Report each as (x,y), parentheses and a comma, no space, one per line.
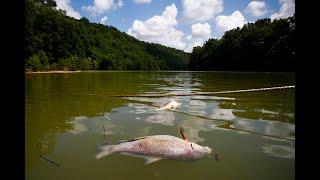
(157,147)
(171,105)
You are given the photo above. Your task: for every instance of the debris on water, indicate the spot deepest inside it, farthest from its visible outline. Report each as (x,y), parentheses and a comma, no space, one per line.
(50,161)
(170,105)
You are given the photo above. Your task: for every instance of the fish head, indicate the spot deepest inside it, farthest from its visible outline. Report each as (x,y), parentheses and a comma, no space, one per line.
(208,150)
(201,151)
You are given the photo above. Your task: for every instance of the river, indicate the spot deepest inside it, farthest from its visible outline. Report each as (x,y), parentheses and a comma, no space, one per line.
(69,114)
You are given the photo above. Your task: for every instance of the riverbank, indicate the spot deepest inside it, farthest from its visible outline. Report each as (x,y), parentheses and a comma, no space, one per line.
(47,72)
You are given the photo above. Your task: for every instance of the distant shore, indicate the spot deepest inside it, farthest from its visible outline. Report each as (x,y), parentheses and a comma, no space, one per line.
(49,72)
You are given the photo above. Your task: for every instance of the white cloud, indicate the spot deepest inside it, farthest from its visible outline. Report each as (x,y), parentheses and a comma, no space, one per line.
(287,9)
(104,20)
(256,8)
(142,1)
(159,29)
(201,10)
(201,29)
(200,33)
(101,6)
(65,5)
(226,23)
(120,3)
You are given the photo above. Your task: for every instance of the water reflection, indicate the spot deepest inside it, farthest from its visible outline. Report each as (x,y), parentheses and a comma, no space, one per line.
(279,129)
(194,125)
(279,151)
(180,83)
(101,124)
(113,123)
(157,116)
(211,109)
(244,113)
(78,125)
(225,114)
(165,118)
(237,110)
(257,107)
(196,107)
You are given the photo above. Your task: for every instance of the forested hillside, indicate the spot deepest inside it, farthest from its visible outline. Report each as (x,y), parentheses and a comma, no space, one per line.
(54,41)
(261,46)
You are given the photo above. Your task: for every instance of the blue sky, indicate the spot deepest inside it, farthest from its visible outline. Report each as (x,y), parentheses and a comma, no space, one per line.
(184,24)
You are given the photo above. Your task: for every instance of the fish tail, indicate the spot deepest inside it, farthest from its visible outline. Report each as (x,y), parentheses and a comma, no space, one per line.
(105,150)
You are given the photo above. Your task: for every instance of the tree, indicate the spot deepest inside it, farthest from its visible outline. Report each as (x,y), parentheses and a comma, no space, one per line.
(65,40)
(261,46)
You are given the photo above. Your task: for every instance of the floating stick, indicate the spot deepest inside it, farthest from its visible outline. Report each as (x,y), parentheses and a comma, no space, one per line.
(48,160)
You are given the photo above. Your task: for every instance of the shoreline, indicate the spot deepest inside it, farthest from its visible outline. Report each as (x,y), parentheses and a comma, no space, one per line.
(160,71)
(50,72)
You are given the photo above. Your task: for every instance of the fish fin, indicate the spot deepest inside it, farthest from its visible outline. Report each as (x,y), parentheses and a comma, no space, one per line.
(122,141)
(149,160)
(105,150)
(133,155)
(130,140)
(183,134)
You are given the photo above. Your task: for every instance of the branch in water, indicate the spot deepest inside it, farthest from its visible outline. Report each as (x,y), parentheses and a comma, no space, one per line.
(48,160)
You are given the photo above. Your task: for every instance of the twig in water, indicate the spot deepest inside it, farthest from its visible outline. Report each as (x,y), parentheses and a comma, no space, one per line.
(48,160)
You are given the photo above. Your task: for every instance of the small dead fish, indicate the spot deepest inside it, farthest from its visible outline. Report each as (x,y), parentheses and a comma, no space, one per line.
(155,148)
(171,105)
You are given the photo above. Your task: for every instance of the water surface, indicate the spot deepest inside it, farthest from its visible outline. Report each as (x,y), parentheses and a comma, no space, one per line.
(69,115)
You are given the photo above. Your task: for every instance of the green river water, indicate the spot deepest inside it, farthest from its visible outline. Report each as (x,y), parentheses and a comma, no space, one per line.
(69,114)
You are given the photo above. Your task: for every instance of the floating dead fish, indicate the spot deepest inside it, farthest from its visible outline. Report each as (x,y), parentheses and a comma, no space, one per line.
(171,105)
(155,148)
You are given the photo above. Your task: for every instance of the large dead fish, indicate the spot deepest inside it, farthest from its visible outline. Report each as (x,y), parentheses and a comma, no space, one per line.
(155,148)
(170,105)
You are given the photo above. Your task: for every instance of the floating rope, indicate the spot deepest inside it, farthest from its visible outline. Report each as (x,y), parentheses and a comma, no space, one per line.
(209,93)
(252,90)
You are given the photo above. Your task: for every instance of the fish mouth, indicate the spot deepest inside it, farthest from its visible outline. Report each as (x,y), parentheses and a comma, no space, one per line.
(208,150)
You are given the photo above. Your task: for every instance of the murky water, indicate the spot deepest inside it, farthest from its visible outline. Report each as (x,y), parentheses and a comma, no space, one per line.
(69,115)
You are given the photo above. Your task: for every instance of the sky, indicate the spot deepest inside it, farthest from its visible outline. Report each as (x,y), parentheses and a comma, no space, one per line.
(181,24)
